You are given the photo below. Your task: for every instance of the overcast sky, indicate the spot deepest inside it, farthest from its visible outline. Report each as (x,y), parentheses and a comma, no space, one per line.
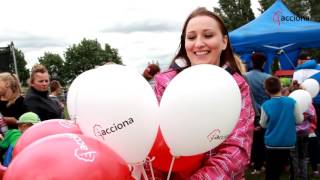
(142,30)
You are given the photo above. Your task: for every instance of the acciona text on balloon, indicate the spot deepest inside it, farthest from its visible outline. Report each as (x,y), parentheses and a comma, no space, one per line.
(215,135)
(100,131)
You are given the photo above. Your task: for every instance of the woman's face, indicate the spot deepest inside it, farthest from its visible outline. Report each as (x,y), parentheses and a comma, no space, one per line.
(204,41)
(3,87)
(41,81)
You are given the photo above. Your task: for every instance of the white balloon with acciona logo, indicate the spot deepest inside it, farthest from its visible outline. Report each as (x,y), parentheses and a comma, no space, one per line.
(199,109)
(116,105)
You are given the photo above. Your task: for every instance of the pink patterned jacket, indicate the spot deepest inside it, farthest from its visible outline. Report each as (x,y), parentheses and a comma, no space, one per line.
(230,159)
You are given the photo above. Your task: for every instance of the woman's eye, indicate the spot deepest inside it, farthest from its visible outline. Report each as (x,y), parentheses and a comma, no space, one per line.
(191,37)
(208,35)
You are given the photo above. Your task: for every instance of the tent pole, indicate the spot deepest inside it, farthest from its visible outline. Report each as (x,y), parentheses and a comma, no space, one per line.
(284,52)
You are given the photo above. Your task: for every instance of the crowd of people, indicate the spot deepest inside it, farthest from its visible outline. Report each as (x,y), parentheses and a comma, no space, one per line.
(270,134)
(20,112)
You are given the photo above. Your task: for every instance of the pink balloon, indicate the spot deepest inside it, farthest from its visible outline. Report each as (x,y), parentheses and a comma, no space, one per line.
(67,156)
(43,129)
(2,170)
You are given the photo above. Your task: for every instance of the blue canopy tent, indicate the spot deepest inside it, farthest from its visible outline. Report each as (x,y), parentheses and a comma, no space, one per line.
(278,33)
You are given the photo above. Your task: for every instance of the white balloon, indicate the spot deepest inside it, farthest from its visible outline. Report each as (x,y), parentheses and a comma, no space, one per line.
(199,109)
(312,86)
(73,93)
(118,106)
(303,99)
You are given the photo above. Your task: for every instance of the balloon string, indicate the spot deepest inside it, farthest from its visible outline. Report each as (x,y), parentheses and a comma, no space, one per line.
(148,159)
(171,167)
(144,173)
(150,164)
(75,116)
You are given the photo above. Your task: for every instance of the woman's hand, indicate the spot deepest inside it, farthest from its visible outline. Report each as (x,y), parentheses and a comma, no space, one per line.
(10,120)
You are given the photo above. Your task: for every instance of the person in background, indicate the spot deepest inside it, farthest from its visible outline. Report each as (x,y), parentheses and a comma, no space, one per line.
(279,116)
(150,71)
(299,156)
(11,137)
(243,70)
(55,93)
(241,65)
(256,78)
(11,100)
(37,98)
(303,57)
(204,40)
(308,68)
(312,147)
(299,160)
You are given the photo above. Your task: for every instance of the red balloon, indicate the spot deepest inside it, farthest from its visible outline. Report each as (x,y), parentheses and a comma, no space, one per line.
(163,158)
(67,156)
(43,129)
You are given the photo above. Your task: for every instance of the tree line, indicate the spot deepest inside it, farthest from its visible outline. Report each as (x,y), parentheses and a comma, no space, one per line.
(77,58)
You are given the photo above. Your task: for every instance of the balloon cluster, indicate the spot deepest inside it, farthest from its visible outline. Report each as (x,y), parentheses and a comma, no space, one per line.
(57,149)
(116,121)
(303,97)
(115,105)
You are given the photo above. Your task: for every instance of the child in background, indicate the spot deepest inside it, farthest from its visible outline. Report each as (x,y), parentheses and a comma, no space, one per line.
(299,156)
(55,94)
(313,146)
(11,137)
(279,116)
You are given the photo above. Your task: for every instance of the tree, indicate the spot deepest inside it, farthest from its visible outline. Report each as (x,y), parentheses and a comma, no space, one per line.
(54,64)
(112,54)
(265,4)
(87,55)
(302,8)
(314,10)
(7,63)
(235,13)
(21,66)
(299,7)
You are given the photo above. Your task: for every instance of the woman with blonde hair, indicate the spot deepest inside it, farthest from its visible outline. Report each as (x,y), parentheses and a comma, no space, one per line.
(37,98)
(240,64)
(11,100)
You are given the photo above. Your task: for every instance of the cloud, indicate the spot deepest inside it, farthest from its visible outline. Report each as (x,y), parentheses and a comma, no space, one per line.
(143,26)
(141,30)
(27,40)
